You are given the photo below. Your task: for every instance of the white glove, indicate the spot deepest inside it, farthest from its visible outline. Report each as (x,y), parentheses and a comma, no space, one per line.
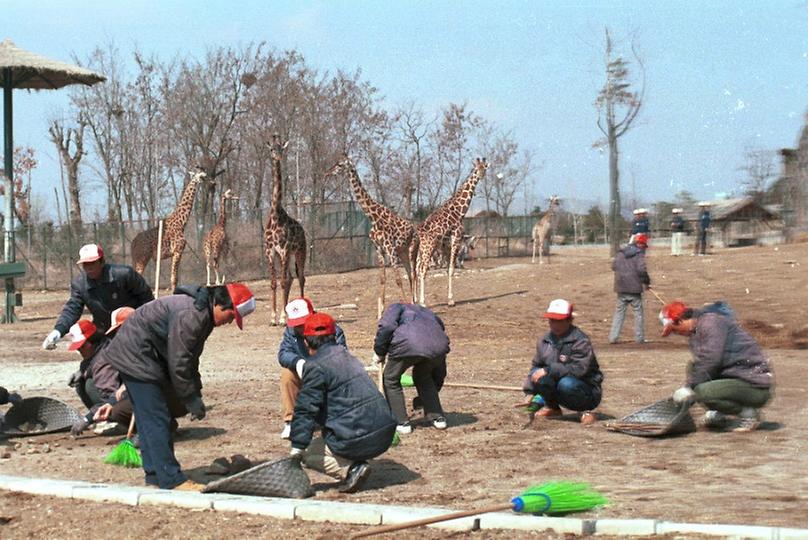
(296,453)
(377,360)
(299,367)
(50,342)
(684,395)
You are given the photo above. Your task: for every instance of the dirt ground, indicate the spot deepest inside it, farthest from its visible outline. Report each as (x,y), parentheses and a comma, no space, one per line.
(487,455)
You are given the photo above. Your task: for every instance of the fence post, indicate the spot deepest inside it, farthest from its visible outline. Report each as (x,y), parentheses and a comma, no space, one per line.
(44,260)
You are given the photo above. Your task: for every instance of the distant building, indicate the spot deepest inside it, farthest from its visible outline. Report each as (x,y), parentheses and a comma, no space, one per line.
(738,222)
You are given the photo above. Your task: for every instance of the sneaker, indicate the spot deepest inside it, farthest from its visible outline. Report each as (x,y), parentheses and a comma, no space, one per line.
(417,403)
(109,428)
(404,429)
(189,485)
(713,420)
(548,411)
(287,430)
(439,422)
(357,474)
(588,418)
(748,420)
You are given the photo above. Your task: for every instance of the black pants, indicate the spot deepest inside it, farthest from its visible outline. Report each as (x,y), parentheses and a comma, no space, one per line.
(427,374)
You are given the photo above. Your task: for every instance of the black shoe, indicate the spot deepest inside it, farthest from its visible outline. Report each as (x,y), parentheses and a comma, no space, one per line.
(357,474)
(417,403)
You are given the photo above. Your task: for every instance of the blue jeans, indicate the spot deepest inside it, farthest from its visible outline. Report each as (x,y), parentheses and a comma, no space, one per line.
(153,421)
(569,392)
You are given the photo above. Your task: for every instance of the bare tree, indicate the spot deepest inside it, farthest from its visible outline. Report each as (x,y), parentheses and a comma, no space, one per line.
(618,105)
(412,128)
(759,168)
(67,141)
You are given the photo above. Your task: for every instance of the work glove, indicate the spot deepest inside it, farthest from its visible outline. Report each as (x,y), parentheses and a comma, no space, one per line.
(14,398)
(50,342)
(684,395)
(196,408)
(378,360)
(299,367)
(296,453)
(74,379)
(78,427)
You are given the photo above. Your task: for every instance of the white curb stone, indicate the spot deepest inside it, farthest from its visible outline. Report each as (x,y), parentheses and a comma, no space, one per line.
(622,527)
(183,499)
(337,512)
(503,520)
(103,493)
(792,534)
(41,486)
(260,506)
(718,529)
(395,515)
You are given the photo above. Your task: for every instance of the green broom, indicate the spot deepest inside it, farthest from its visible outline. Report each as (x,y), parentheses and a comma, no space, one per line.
(548,498)
(406,380)
(125,454)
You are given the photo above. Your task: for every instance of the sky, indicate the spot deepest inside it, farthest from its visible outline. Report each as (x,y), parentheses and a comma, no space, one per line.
(721,76)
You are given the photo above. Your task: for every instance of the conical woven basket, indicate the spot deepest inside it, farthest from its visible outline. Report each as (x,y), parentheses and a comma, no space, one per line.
(38,415)
(282,478)
(665,417)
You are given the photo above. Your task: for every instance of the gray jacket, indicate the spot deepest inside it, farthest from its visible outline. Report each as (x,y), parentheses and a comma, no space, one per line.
(630,273)
(118,286)
(410,330)
(571,354)
(723,350)
(162,341)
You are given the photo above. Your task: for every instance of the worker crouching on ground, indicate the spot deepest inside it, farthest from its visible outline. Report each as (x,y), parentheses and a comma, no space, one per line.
(292,355)
(337,394)
(88,342)
(410,335)
(565,370)
(729,373)
(160,346)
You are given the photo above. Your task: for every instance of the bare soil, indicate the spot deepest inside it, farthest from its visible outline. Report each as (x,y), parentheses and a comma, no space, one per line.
(487,455)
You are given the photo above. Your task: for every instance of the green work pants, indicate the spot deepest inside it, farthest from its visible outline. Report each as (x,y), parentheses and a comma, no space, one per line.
(729,396)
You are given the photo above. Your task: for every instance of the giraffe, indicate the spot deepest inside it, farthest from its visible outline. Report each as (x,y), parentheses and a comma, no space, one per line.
(543,228)
(446,220)
(216,244)
(393,236)
(144,245)
(284,237)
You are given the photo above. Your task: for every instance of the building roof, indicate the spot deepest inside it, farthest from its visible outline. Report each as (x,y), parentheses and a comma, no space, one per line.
(741,209)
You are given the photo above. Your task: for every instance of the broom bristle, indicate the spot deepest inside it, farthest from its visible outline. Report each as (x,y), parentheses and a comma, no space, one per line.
(558,498)
(125,454)
(406,380)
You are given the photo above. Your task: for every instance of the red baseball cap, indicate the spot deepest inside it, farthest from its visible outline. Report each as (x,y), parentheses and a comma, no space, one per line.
(671,314)
(90,253)
(297,311)
(319,324)
(641,240)
(118,316)
(243,301)
(559,309)
(81,332)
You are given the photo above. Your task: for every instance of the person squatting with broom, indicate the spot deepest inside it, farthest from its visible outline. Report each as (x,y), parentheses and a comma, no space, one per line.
(729,373)
(565,370)
(338,395)
(160,346)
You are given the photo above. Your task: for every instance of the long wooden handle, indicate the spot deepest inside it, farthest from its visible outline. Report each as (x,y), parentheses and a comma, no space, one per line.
(483,386)
(131,427)
(657,296)
(157,262)
(428,521)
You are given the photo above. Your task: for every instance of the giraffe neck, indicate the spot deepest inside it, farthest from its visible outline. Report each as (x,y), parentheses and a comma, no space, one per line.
(462,199)
(222,212)
(277,189)
(368,205)
(183,210)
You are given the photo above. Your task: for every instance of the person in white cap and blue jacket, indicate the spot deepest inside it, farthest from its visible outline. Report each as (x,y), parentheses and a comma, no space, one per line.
(565,370)
(102,288)
(160,346)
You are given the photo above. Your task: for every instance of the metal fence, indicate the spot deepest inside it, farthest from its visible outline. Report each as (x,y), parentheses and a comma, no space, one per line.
(336,234)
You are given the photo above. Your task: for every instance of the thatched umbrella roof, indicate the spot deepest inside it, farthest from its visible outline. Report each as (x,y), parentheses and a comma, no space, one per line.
(32,71)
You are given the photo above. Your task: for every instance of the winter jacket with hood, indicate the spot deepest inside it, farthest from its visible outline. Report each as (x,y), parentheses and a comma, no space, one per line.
(630,272)
(293,347)
(571,354)
(410,330)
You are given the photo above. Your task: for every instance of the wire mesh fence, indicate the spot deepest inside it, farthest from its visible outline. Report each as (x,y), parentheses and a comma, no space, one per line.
(337,237)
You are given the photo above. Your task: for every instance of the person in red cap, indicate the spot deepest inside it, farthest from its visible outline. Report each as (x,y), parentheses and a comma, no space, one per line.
(337,394)
(101,288)
(729,373)
(88,342)
(630,279)
(159,347)
(565,370)
(292,355)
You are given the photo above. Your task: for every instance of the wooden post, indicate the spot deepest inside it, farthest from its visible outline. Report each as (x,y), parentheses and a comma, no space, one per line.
(157,262)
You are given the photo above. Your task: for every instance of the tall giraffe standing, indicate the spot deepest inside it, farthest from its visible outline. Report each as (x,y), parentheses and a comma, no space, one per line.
(543,228)
(216,243)
(144,245)
(283,237)
(392,235)
(446,220)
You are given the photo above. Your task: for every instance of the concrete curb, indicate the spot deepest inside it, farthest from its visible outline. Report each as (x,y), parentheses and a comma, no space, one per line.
(378,514)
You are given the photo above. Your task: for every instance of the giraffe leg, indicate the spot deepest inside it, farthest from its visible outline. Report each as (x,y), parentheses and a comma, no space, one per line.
(541,251)
(176,257)
(286,283)
(273,284)
(382,283)
(533,260)
(207,267)
(424,256)
(300,270)
(457,238)
(409,265)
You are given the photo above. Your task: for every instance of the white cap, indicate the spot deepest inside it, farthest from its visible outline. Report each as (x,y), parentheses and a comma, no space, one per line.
(677,210)
(297,311)
(90,253)
(559,309)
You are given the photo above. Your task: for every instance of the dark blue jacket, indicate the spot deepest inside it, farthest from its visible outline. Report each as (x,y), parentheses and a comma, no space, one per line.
(677,224)
(410,330)
(118,286)
(338,394)
(571,354)
(704,220)
(640,225)
(293,347)
(162,341)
